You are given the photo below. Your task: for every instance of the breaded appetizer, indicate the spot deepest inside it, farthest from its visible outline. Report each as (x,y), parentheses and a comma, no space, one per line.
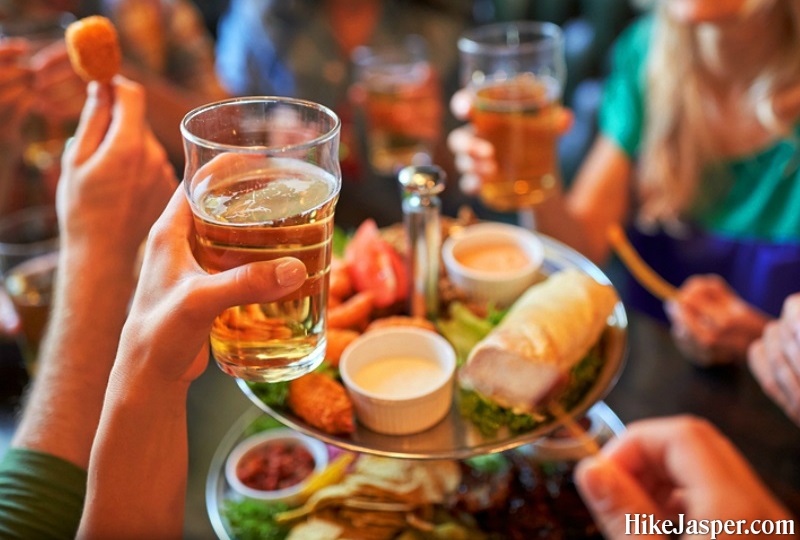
(322,402)
(93,48)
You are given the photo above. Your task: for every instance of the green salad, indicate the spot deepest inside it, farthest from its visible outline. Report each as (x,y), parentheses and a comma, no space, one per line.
(464,330)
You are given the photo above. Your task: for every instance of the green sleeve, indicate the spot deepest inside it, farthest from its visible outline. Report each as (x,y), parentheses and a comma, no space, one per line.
(41,496)
(622,110)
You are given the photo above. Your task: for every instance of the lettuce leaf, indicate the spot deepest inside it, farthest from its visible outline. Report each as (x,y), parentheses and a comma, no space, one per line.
(463,329)
(489,417)
(249,519)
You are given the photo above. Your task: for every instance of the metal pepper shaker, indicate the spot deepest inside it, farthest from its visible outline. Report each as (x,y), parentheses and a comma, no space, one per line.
(421,216)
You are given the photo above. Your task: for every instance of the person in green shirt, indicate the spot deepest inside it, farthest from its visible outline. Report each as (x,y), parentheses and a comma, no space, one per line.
(115,182)
(699,153)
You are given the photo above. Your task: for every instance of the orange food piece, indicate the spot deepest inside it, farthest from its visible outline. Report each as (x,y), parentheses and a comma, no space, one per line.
(338,340)
(353,313)
(401,321)
(340,284)
(322,402)
(93,48)
(639,269)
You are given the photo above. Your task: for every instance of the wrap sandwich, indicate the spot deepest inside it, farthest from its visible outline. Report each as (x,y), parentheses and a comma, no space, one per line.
(549,330)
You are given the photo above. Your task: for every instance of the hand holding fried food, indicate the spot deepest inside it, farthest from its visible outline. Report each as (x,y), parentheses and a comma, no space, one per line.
(322,402)
(93,48)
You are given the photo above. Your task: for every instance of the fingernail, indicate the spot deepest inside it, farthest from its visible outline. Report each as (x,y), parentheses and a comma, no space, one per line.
(598,481)
(290,273)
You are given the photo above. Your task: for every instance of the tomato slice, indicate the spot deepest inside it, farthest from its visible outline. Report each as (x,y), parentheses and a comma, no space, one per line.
(374,266)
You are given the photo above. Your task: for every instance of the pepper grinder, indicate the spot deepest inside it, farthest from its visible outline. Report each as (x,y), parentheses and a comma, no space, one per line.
(421,215)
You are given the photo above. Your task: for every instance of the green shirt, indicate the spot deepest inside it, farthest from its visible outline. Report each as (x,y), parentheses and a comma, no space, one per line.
(41,496)
(760,198)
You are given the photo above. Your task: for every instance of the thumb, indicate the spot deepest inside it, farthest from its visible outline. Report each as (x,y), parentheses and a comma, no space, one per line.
(614,498)
(253,283)
(94,122)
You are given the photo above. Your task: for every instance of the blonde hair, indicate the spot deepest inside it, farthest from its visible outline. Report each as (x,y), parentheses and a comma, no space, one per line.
(677,145)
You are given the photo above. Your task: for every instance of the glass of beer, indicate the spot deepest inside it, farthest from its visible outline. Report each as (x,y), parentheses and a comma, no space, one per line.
(262,176)
(28,260)
(515,73)
(402,104)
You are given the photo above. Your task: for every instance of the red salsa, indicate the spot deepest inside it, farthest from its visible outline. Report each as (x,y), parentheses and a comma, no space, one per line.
(275,465)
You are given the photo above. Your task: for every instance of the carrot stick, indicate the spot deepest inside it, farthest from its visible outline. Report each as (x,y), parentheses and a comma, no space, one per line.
(640,270)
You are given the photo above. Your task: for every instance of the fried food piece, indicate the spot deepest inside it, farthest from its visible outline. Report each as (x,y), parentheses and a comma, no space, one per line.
(93,48)
(639,269)
(340,285)
(322,402)
(402,322)
(353,313)
(338,340)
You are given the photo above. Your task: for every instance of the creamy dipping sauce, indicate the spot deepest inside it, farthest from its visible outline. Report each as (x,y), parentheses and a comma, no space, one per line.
(399,377)
(494,257)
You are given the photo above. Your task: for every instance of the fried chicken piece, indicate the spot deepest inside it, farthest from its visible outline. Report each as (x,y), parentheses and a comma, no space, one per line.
(401,321)
(93,48)
(322,402)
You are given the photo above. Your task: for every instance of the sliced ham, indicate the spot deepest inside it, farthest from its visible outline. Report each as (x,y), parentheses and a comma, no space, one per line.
(545,333)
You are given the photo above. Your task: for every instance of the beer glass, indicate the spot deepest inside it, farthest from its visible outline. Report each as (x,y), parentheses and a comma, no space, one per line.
(28,260)
(515,73)
(401,90)
(262,176)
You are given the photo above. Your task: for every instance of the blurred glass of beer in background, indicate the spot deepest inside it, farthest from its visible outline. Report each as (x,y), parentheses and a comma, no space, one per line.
(516,72)
(401,89)
(28,260)
(263,178)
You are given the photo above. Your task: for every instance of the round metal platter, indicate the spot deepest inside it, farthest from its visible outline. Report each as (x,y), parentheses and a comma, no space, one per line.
(455,437)
(218,490)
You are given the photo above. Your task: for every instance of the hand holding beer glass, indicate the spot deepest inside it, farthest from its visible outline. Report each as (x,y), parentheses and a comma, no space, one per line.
(402,100)
(515,73)
(262,176)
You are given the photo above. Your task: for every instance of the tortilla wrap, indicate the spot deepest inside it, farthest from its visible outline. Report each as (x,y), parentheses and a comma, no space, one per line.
(546,332)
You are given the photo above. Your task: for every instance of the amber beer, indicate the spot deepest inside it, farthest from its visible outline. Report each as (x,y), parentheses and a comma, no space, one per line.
(260,215)
(393,96)
(30,287)
(518,116)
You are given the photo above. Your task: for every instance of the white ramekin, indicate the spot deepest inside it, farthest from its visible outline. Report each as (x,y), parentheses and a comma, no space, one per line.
(399,416)
(501,286)
(316,448)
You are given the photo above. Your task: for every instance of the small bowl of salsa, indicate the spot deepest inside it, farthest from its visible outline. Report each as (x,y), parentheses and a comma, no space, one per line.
(493,262)
(274,465)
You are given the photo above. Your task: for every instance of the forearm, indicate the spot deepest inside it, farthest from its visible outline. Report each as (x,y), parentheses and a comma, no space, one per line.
(599,198)
(137,474)
(89,309)
(554,218)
